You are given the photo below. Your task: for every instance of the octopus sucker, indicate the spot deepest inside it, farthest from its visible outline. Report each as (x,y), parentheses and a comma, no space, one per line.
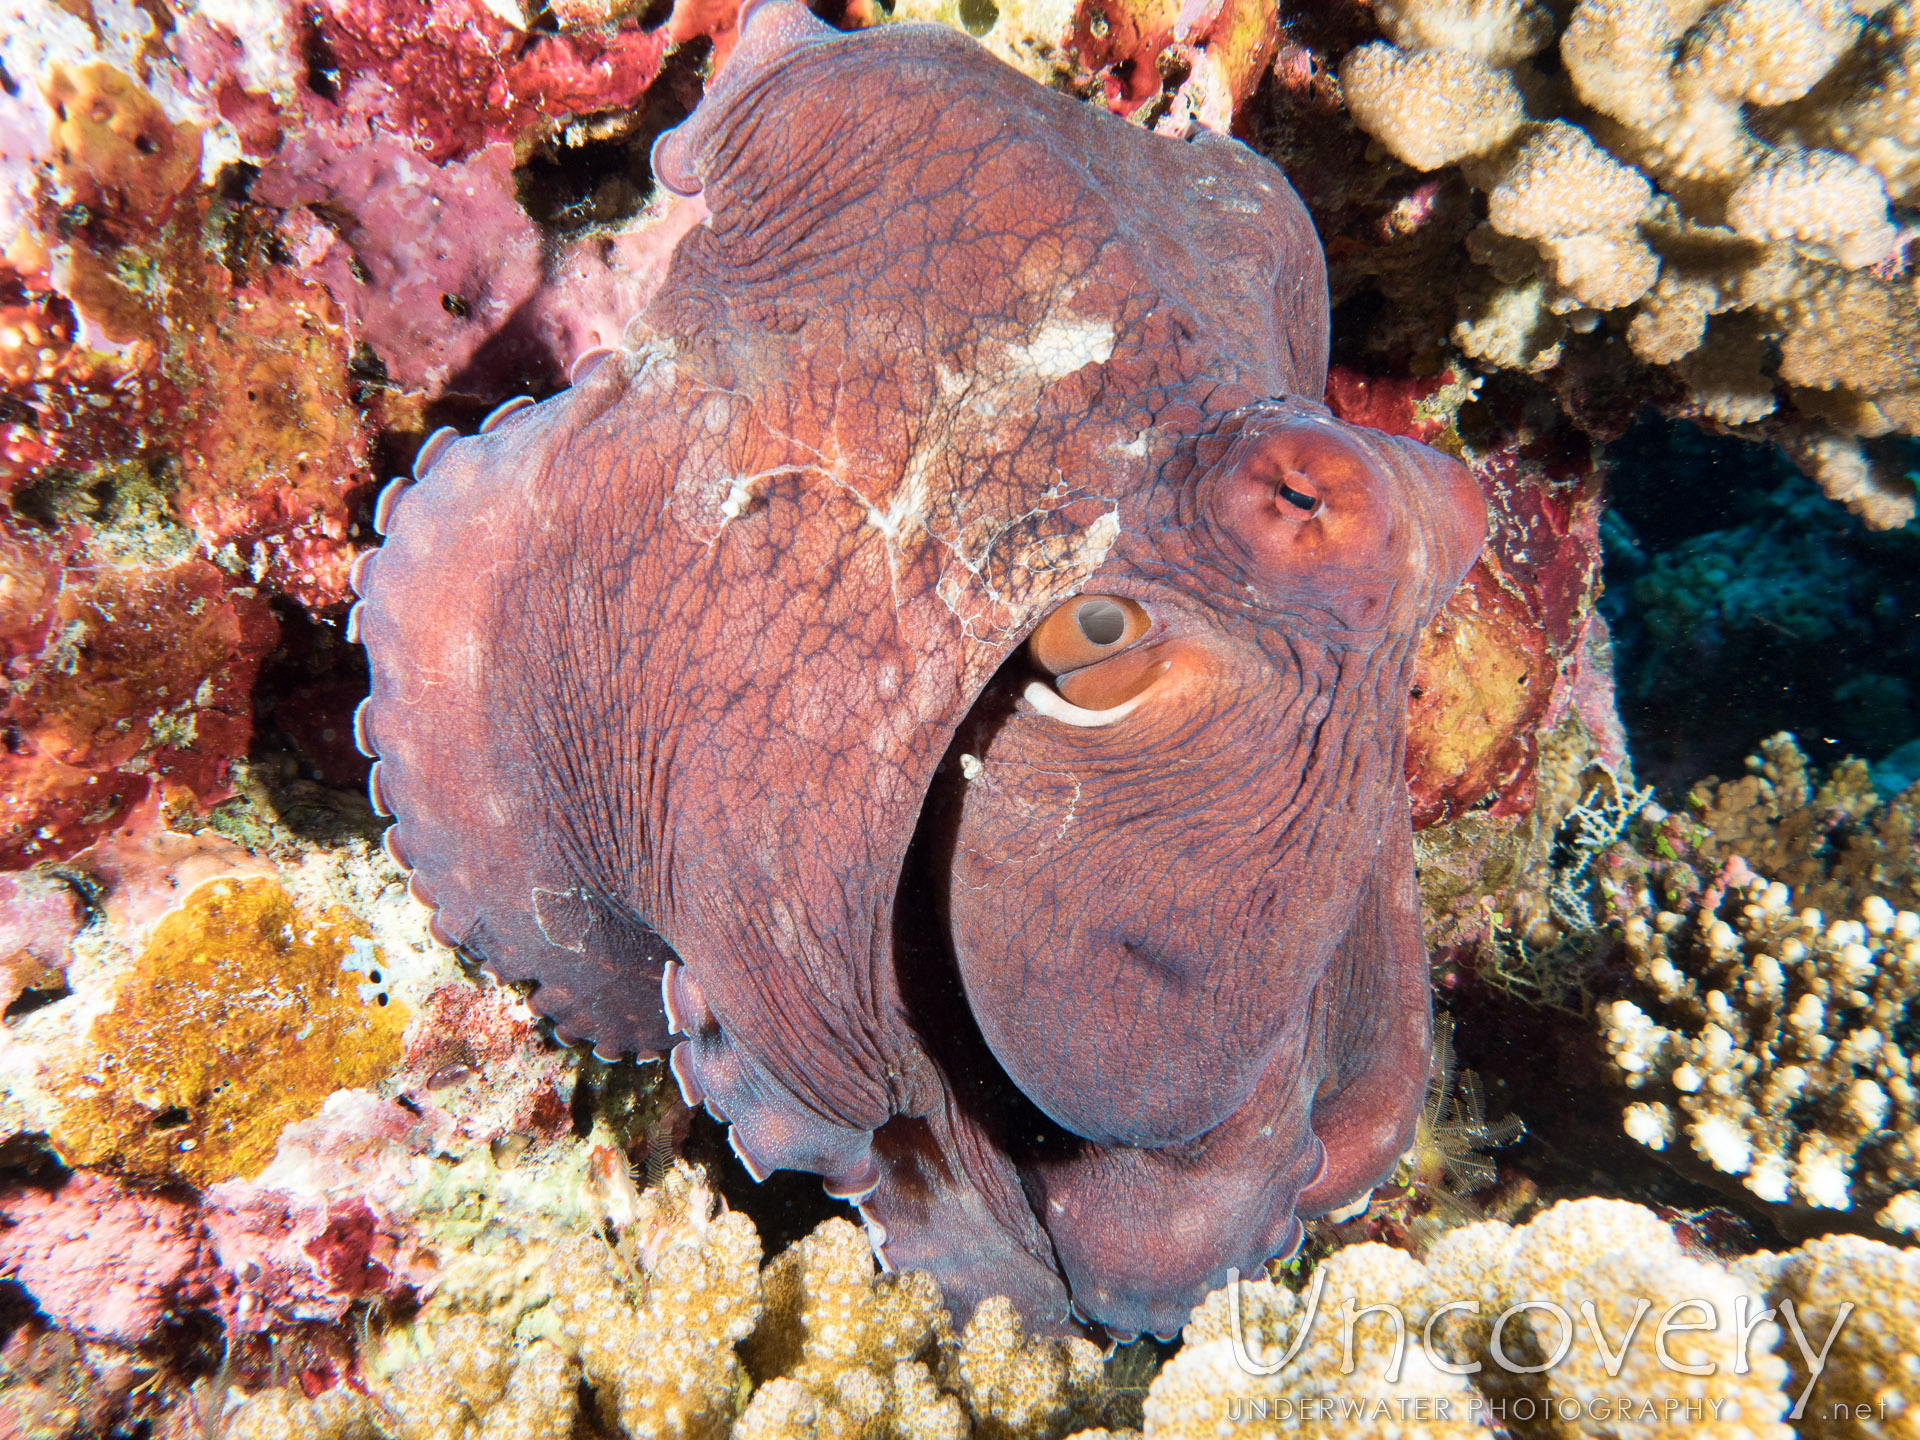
(375,796)
(680,1066)
(504,412)
(925,858)
(389,497)
(748,1160)
(431,449)
(363,727)
(390,842)
(585,363)
(360,573)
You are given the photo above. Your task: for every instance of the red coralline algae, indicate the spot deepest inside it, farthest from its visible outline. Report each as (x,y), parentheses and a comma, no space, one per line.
(451,75)
(101,1259)
(318,1229)
(1220,49)
(61,405)
(140,675)
(156,348)
(476,1052)
(116,155)
(274,458)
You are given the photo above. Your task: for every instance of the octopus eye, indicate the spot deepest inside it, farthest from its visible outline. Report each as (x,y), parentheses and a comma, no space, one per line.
(1085,631)
(1303,501)
(1101,621)
(1091,648)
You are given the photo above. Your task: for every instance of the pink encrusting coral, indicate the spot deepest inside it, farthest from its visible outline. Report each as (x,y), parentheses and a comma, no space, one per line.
(428,260)
(102,1259)
(452,76)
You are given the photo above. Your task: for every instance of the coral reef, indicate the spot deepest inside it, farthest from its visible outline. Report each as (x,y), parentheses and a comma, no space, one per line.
(1860,1294)
(653,1324)
(237,1018)
(252,254)
(197,381)
(127,679)
(1775,1040)
(104,1261)
(1696,184)
(1177,67)
(844,1351)
(1592,1319)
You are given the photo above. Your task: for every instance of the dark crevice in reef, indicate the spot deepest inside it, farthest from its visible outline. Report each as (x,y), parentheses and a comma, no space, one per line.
(302,766)
(1743,602)
(568,188)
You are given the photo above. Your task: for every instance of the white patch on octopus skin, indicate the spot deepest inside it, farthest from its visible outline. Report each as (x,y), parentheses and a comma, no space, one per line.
(1062,345)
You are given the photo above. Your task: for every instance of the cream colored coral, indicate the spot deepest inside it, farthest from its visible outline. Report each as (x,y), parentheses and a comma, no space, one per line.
(1767,51)
(464,1378)
(846,1347)
(1817,198)
(1719,1343)
(1353,1374)
(1432,108)
(1561,183)
(1726,379)
(1593,1304)
(1499,32)
(1017,1387)
(1776,131)
(286,1414)
(1869,1387)
(1598,1260)
(1763,1034)
(1512,327)
(1869,106)
(655,1328)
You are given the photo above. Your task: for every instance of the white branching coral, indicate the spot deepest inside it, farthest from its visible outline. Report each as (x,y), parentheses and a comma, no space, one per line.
(1861,1299)
(1326,1367)
(1500,32)
(1769,1038)
(1721,170)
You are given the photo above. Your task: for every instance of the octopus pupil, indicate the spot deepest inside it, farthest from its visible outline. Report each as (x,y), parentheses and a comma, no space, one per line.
(1295,498)
(1101,621)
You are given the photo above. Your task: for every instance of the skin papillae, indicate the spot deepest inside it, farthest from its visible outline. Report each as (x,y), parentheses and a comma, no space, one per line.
(703,682)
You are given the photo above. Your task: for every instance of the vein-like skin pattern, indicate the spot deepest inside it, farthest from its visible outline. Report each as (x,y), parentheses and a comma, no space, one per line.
(700,700)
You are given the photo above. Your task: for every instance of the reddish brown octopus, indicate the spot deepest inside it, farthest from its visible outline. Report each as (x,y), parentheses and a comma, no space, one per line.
(949,670)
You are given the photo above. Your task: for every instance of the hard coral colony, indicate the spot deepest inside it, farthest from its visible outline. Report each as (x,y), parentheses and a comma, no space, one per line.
(913,588)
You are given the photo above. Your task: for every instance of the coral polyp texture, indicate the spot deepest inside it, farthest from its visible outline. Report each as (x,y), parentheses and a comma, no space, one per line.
(1712,187)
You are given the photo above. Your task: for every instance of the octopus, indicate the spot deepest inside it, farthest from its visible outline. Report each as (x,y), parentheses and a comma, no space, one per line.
(941,682)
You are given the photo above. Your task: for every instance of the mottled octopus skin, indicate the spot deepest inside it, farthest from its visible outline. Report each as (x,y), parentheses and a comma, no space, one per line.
(704,678)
